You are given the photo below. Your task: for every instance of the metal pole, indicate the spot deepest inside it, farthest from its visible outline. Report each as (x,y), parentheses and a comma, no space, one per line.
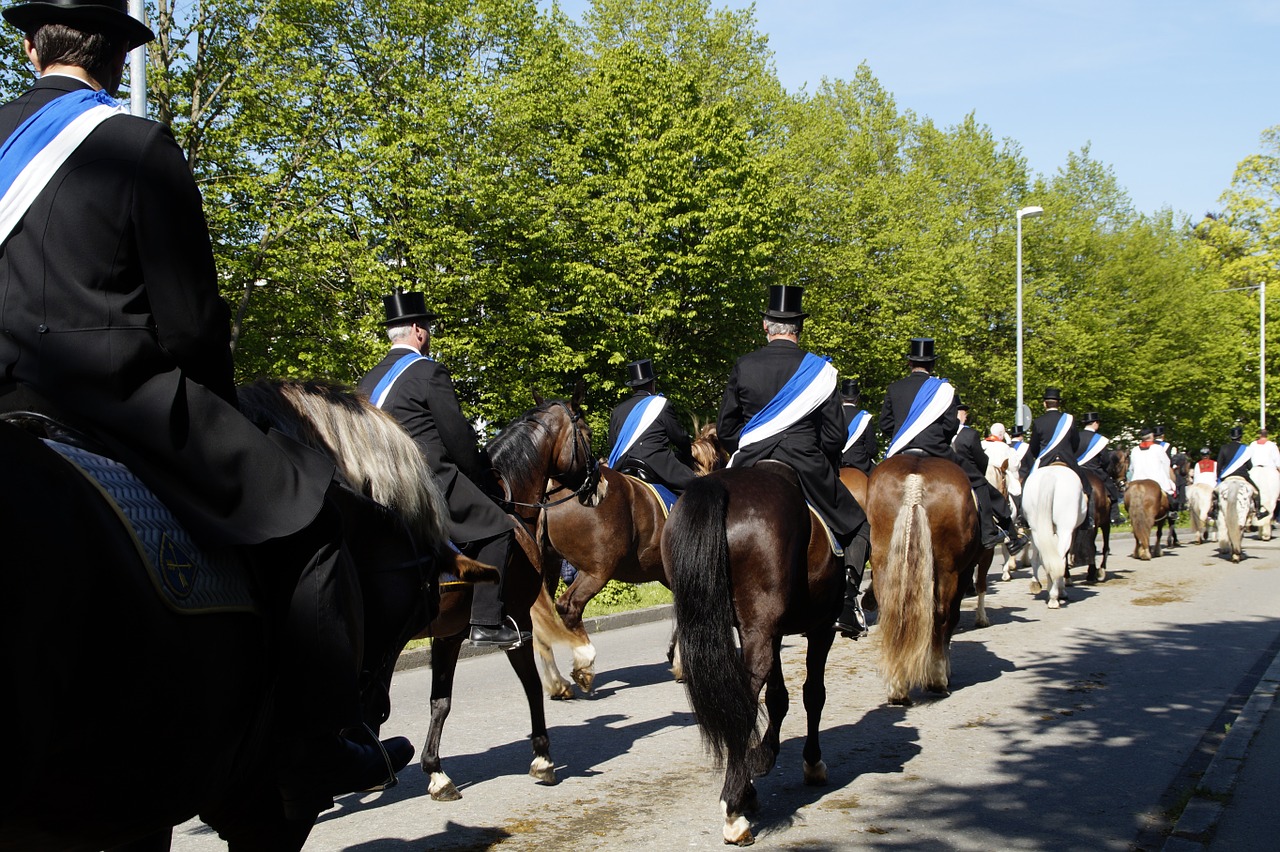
(138,66)
(1262,355)
(1018,416)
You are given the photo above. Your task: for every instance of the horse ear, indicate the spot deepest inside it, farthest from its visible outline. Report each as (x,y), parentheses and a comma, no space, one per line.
(579,392)
(537,397)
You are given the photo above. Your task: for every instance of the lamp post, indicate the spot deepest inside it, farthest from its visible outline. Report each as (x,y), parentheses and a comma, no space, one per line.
(138,66)
(1022,212)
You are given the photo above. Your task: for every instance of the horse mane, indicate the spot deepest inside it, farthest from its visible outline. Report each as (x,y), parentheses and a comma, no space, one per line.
(374,455)
(707,451)
(514,452)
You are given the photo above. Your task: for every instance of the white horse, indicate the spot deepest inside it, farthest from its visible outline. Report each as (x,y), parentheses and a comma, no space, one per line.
(1235,503)
(1199,497)
(1054,503)
(1268,481)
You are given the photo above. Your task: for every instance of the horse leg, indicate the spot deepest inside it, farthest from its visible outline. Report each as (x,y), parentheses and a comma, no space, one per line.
(574,599)
(738,796)
(673,657)
(980,619)
(444,664)
(544,627)
(776,701)
(815,699)
(542,769)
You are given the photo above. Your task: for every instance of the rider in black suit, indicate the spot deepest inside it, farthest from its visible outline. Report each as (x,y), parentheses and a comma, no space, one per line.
(861,453)
(1066,451)
(811,446)
(653,447)
(422,398)
(110,320)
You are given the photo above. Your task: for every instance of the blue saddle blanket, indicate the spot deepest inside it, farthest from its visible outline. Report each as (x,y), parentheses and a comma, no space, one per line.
(665,495)
(188,578)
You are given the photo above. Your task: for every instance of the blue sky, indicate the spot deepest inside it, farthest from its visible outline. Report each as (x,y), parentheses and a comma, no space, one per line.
(1172,95)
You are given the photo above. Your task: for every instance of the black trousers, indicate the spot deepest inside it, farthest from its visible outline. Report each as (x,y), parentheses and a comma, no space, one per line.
(486,598)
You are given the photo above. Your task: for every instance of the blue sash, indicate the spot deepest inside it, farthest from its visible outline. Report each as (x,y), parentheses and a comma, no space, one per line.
(811,385)
(1096,444)
(1238,459)
(635,425)
(932,400)
(856,427)
(380,391)
(1065,422)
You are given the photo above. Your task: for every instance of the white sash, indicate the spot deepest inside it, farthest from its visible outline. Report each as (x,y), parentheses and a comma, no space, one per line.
(856,428)
(1097,445)
(648,411)
(1059,432)
(802,401)
(933,409)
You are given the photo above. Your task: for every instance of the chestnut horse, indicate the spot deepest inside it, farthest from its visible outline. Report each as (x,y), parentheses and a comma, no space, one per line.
(746,559)
(924,550)
(1147,506)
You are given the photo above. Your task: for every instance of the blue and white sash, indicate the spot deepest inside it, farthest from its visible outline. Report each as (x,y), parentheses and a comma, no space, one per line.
(813,383)
(41,144)
(639,419)
(1241,456)
(383,387)
(857,426)
(1097,444)
(1065,422)
(932,401)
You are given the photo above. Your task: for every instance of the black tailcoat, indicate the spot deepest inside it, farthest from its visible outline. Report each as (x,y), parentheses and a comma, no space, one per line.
(812,446)
(425,403)
(110,314)
(1226,454)
(862,453)
(653,447)
(1067,451)
(934,439)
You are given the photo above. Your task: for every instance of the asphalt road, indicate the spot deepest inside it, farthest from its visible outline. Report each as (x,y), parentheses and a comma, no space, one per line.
(1078,728)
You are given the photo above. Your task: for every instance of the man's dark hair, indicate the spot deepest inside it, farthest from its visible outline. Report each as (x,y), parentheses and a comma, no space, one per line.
(63,45)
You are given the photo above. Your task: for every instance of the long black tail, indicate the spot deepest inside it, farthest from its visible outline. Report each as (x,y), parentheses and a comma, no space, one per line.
(715,677)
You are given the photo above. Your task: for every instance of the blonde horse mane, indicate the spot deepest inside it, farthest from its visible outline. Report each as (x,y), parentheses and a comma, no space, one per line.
(905,593)
(374,454)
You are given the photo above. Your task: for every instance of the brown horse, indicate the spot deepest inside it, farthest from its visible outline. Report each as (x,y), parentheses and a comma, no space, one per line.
(1147,506)
(924,550)
(550,440)
(745,558)
(1088,551)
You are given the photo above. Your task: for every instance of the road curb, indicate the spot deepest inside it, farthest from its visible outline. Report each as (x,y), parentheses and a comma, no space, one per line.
(597,624)
(1199,819)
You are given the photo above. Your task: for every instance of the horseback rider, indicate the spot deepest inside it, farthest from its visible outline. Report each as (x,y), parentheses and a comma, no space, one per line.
(418,391)
(111,322)
(808,434)
(996,446)
(1055,440)
(1148,460)
(1017,443)
(931,432)
(860,442)
(1264,454)
(1095,457)
(643,429)
(1235,459)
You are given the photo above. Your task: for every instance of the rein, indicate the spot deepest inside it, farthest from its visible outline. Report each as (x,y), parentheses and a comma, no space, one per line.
(589,481)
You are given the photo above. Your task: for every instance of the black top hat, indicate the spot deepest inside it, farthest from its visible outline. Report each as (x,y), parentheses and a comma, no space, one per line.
(921,349)
(1052,393)
(1018,431)
(110,17)
(1159,431)
(1147,432)
(785,303)
(849,387)
(1236,433)
(639,373)
(405,308)
(1091,417)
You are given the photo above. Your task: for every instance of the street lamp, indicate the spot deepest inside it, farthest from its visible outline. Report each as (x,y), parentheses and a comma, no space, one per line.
(1022,212)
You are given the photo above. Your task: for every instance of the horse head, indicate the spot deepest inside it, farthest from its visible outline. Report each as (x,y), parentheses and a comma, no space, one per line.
(552,441)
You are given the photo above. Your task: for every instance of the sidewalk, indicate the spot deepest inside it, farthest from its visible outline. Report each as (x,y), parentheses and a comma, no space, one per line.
(1236,806)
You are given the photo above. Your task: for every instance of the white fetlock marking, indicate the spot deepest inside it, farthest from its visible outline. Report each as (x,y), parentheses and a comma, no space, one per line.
(543,770)
(584,657)
(736,827)
(440,783)
(815,775)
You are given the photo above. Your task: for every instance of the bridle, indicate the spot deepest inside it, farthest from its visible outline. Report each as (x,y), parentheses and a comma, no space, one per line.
(589,481)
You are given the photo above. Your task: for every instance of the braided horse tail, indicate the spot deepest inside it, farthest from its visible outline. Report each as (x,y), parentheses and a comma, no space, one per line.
(905,590)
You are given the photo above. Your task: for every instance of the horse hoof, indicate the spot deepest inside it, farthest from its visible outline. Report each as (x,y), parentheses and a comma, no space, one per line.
(1053,603)
(1036,588)
(562,693)
(738,832)
(442,789)
(815,775)
(543,771)
(584,679)
(900,700)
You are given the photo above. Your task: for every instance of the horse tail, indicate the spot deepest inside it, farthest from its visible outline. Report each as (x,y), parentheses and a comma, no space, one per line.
(1229,500)
(717,681)
(905,594)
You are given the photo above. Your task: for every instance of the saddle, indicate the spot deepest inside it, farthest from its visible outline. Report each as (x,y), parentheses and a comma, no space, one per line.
(188,578)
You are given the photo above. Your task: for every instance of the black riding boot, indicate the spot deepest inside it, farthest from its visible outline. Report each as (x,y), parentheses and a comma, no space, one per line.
(852,622)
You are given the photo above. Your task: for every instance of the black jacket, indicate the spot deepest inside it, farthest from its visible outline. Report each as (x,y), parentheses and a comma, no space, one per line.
(654,447)
(1226,454)
(812,446)
(110,314)
(1067,451)
(934,439)
(862,452)
(424,401)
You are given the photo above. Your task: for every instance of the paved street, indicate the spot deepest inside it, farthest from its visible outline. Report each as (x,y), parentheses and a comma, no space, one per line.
(1068,729)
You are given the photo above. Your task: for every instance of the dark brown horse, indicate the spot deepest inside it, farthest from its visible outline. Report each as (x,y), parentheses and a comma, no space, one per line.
(924,550)
(746,559)
(1147,506)
(551,440)
(1087,552)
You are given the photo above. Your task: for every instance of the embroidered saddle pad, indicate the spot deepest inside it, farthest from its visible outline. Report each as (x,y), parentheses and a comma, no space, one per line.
(188,578)
(666,497)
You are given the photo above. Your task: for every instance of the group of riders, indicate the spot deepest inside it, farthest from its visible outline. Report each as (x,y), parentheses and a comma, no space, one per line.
(111,324)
